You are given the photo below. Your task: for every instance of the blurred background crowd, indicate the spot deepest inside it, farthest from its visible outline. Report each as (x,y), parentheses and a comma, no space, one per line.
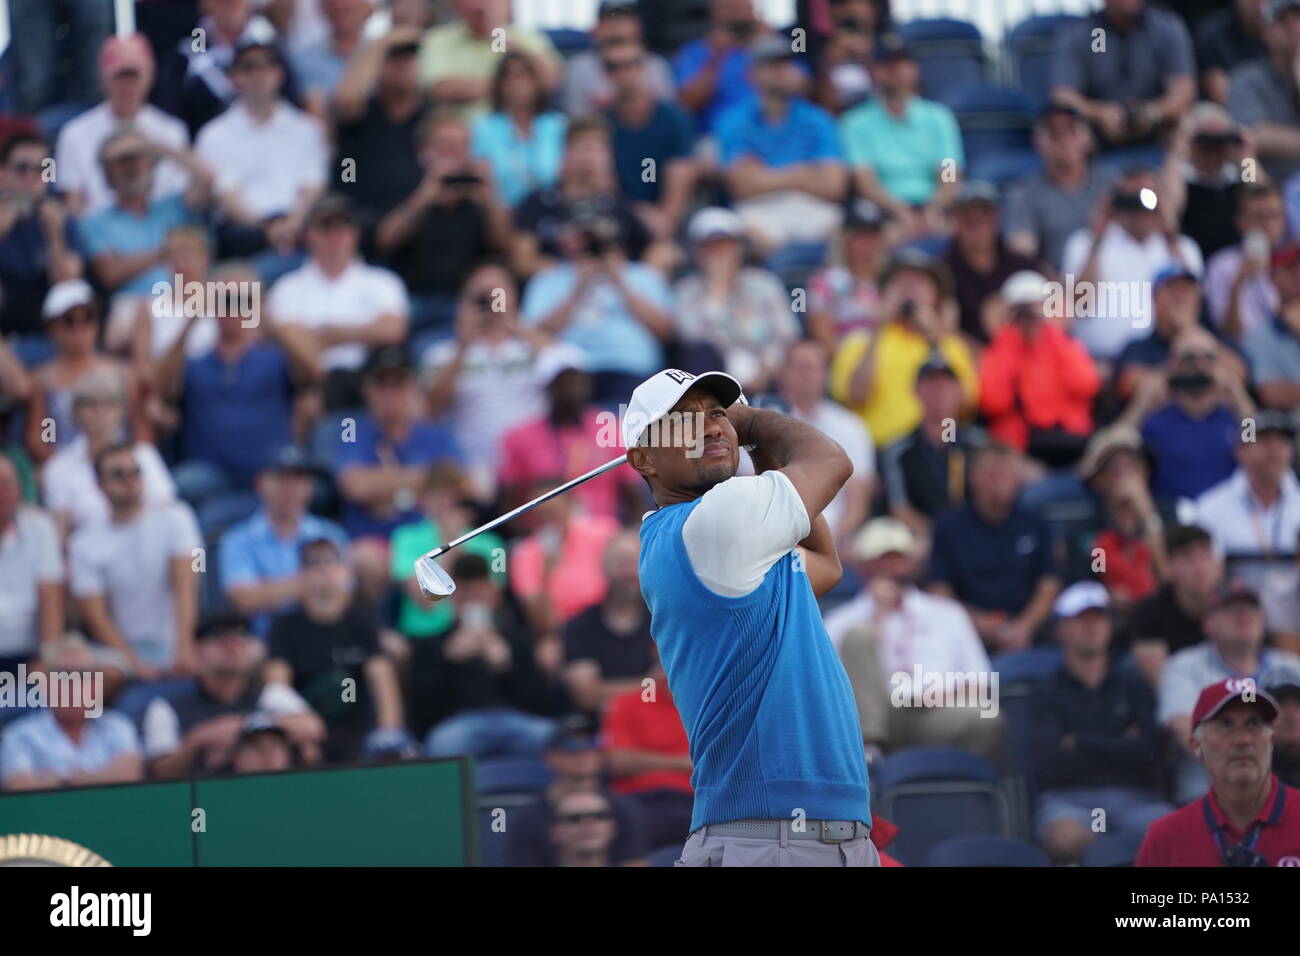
(292,291)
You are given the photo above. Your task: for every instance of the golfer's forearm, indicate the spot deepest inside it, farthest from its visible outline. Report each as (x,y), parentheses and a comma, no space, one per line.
(789,441)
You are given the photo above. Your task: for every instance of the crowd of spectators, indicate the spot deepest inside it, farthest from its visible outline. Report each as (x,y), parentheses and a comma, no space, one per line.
(291,293)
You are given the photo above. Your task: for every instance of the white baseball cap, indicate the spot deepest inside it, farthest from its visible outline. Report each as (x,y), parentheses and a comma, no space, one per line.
(1079,597)
(712,222)
(1025,287)
(557,358)
(655,397)
(881,536)
(66,295)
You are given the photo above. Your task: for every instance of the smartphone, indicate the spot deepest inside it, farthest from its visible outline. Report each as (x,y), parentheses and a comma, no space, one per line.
(1256,246)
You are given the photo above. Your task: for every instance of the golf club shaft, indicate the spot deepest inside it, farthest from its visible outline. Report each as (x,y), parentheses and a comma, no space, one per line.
(599,470)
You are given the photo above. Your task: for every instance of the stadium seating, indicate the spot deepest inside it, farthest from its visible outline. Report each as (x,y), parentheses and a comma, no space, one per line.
(569,42)
(510,776)
(1029,48)
(934,794)
(1018,674)
(1113,849)
(997,132)
(985,851)
(949,52)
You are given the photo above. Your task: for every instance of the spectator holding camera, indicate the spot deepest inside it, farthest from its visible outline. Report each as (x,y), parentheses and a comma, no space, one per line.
(1204,170)
(1176,302)
(713,72)
(843,72)
(1142,79)
(874,373)
(587,191)
(126,72)
(39,245)
(1239,289)
(1191,416)
(484,379)
(1132,237)
(1036,383)
(520,138)
(616,311)
(449,221)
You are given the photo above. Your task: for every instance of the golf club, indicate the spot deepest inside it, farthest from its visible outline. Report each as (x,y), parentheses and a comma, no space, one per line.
(437,583)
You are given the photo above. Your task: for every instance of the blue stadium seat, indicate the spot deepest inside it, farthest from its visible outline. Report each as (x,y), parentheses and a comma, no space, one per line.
(934,794)
(950,54)
(985,851)
(510,775)
(1113,849)
(1029,48)
(569,42)
(1031,666)
(997,126)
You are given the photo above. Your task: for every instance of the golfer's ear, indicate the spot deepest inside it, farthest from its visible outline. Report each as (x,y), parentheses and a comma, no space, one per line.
(639,458)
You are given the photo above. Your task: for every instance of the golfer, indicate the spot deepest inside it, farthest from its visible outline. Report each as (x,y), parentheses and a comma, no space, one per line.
(780,778)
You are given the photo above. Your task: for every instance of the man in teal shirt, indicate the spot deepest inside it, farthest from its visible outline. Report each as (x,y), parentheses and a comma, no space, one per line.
(905,151)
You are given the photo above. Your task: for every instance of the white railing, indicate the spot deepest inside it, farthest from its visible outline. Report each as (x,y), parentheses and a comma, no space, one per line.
(993,17)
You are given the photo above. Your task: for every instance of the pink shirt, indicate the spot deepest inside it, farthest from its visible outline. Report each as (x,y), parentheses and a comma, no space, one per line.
(537,449)
(578,580)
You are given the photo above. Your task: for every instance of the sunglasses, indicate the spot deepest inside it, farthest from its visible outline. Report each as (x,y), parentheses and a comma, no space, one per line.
(1195,357)
(72,320)
(616,66)
(250,66)
(23,168)
(594,815)
(121,474)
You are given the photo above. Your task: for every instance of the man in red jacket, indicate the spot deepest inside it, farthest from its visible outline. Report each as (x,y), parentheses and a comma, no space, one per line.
(1037,383)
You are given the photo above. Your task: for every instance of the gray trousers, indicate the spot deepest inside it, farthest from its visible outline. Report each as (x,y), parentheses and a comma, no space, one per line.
(702,850)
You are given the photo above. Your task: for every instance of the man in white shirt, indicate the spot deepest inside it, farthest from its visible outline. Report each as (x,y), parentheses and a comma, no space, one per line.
(31,573)
(893,633)
(1254,516)
(1109,266)
(133,575)
(802,385)
(269,158)
(349,306)
(126,69)
(484,379)
(1239,288)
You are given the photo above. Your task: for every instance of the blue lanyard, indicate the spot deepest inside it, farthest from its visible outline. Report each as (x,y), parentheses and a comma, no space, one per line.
(1216,829)
(1268,545)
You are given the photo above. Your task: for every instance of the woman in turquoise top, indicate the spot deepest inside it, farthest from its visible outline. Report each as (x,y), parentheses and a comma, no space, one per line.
(522,140)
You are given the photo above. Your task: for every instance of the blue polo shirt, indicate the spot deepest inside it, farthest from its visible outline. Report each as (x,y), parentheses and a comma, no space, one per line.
(427,443)
(991,567)
(765,702)
(1191,456)
(805,134)
(118,231)
(250,552)
(731,87)
(236,416)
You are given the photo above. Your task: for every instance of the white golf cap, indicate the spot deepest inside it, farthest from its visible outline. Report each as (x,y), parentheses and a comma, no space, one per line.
(1025,287)
(655,397)
(557,358)
(714,222)
(66,295)
(1079,597)
(881,536)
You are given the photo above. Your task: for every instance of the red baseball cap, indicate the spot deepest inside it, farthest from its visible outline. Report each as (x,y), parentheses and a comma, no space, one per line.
(1218,696)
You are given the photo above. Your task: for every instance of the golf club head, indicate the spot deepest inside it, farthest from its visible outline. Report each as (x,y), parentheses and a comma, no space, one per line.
(433,580)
